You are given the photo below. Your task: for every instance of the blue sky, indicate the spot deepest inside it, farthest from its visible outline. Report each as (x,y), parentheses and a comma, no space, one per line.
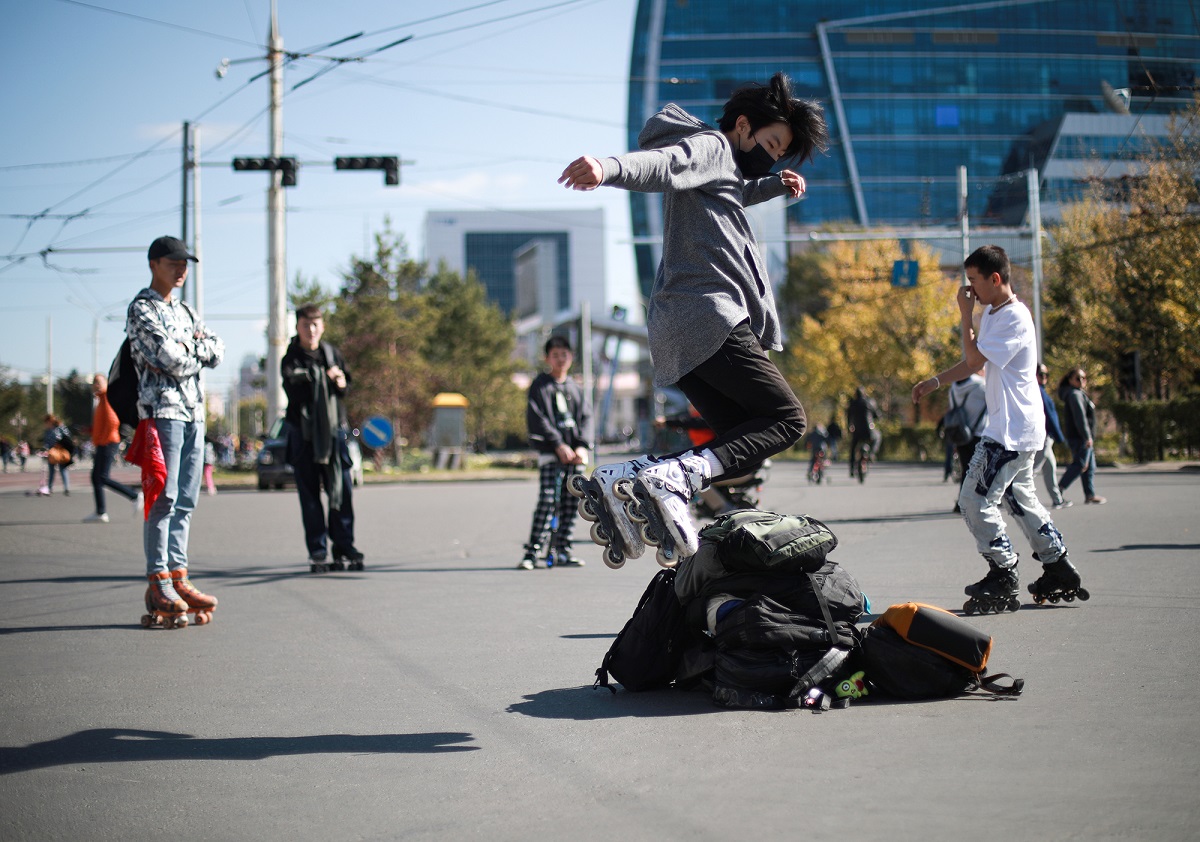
(489,99)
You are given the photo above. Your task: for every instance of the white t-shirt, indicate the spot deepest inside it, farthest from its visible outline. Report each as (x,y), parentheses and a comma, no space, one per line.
(1016,418)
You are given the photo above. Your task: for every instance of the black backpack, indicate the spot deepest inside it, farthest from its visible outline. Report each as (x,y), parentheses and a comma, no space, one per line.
(123,386)
(957,424)
(907,671)
(647,652)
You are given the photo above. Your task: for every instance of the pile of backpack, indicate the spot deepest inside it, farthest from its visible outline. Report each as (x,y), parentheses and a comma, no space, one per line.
(761,618)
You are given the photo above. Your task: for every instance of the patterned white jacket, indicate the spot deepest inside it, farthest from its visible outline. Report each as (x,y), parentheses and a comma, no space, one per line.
(170,346)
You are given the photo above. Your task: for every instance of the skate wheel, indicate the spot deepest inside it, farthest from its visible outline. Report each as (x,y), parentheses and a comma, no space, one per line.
(623,488)
(600,534)
(356,565)
(613,559)
(147,621)
(650,535)
(969,607)
(1014,604)
(587,510)
(1054,599)
(666,558)
(203,618)
(1068,597)
(576,487)
(635,512)
(337,565)
(180,622)
(1083,594)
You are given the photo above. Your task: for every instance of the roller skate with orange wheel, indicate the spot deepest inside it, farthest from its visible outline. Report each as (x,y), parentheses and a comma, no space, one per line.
(602,502)
(200,605)
(164,607)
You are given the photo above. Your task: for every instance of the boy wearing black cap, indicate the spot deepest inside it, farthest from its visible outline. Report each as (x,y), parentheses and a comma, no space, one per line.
(170,346)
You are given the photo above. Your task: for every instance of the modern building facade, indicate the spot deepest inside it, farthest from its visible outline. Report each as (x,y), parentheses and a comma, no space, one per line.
(914,89)
(497,244)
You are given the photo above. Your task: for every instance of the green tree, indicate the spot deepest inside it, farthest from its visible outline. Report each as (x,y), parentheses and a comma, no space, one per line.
(381,323)
(1126,271)
(867,332)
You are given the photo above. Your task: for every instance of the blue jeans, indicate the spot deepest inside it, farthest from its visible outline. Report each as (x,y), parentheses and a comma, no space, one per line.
(1083,467)
(165,534)
(997,474)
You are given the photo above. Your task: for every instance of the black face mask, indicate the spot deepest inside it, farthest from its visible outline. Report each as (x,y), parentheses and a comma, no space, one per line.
(754,164)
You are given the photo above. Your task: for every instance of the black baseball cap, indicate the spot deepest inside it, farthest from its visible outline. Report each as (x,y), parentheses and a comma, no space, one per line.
(171,248)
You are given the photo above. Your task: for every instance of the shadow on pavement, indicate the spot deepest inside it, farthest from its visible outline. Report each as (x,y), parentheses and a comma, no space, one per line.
(127,745)
(1132,547)
(94,627)
(940,514)
(589,703)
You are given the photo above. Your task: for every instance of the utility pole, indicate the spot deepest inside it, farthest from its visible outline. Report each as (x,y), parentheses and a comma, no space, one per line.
(1035,225)
(964,219)
(49,365)
(276,233)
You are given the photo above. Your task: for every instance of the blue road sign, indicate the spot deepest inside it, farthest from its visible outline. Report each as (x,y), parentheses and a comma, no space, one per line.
(904,273)
(377,432)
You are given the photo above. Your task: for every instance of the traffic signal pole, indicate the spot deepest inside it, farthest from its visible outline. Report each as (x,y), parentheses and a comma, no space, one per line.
(276,235)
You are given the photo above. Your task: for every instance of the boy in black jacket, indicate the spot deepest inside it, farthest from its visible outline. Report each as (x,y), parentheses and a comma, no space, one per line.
(560,429)
(315,380)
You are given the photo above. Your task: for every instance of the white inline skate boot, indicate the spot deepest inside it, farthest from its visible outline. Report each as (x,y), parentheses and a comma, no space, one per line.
(602,501)
(661,495)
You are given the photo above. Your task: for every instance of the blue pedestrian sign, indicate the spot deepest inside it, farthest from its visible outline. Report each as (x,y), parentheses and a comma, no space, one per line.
(377,432)
(904,273)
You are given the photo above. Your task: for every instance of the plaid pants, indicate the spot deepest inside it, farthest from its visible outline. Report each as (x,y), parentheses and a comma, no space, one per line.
(553,498)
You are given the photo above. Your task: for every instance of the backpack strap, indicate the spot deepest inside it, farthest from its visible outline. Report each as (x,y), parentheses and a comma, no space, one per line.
(829,663)
(991,684)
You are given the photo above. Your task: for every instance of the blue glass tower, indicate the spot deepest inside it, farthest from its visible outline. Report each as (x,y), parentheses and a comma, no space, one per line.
(913,89)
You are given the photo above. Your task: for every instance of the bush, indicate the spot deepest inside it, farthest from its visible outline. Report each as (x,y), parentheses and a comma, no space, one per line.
(1161,429)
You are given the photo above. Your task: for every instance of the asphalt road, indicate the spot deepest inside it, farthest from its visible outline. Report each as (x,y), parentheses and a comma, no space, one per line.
(442,694)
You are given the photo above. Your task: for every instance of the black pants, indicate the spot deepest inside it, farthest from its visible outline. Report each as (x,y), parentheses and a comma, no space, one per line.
(744,398)
(101,463)
(310,478)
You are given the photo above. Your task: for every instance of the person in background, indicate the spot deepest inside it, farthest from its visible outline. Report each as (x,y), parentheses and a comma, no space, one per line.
(1079,425)
(58,450)
(560,429)
(315,380)
(1045,462)
(106,438)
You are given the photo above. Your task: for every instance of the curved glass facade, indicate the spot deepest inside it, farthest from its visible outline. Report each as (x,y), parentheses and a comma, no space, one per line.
(913,89)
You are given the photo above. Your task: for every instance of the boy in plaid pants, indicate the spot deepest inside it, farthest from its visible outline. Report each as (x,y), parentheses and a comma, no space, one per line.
(560,429)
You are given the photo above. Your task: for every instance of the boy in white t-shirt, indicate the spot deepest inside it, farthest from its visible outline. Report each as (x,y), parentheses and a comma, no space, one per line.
(1002,466)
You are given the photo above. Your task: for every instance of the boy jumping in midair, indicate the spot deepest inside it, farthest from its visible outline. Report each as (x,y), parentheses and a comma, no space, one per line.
(712,314)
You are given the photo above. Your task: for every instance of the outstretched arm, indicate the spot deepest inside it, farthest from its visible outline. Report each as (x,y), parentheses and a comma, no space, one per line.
(583,173)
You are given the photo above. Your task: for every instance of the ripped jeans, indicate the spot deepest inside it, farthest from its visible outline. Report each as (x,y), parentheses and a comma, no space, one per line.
(995,474)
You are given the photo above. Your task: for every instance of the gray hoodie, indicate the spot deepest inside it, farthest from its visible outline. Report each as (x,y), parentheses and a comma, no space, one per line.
(711,277)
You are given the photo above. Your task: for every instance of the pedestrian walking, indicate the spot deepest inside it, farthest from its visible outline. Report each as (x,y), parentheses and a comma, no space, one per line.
(106,439)
(58,449)
(1045,463)
(1079,426)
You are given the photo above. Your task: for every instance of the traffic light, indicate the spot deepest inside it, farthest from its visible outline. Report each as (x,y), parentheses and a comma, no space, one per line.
(390,164)
(287,166)
(1129,374)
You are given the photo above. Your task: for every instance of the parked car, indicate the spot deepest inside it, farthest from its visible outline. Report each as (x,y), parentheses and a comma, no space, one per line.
(271,464)
(273,469)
